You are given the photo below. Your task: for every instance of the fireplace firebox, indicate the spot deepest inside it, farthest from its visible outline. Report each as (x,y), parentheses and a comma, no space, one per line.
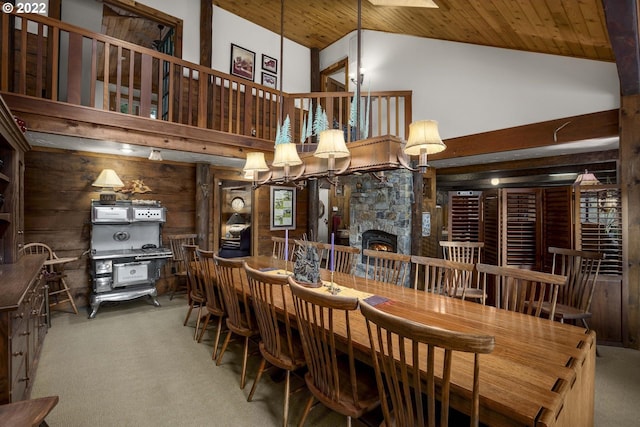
(380,241)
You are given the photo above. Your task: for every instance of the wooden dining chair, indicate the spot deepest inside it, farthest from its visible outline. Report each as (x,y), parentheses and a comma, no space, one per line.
(470,253)
(345,258)
(59,291)
(408,363)
(206,270)
(582,269)
(522,290)
(333,377)
(278,248)
(197,295)
(439,276)
(389,267)
(240,319)
(178,268)
(279,343)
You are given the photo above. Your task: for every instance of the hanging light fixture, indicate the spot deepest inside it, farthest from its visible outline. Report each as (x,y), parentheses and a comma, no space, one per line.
(155,155)
(331,146)
(586,178)
(424,139)
(254,165)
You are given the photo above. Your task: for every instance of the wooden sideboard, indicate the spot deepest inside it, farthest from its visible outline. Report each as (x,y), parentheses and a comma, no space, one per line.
(23,325)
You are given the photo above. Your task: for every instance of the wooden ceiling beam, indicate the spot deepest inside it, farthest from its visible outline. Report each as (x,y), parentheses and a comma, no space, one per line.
(593,158)
(79,121)
(553,132)
(622,25)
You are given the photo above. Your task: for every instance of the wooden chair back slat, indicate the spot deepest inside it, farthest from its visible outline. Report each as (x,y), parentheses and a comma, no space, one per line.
(176,241)
(332,376)
(582,269)
(408,357)
(440,276)
(278,248)
(389,267)
(522,290)
(229,273)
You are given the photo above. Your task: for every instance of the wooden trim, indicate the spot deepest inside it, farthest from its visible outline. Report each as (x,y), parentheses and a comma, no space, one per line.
(622,25)
(569,129)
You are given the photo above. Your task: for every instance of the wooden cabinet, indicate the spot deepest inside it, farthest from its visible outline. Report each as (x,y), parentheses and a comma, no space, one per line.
(23,325)
(13,145)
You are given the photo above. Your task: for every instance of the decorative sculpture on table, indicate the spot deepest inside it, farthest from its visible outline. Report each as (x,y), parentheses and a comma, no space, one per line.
(306,269)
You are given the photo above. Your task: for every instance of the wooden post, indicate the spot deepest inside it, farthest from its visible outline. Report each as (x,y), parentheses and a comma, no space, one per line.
(313,208)
(630,192)
(203,204)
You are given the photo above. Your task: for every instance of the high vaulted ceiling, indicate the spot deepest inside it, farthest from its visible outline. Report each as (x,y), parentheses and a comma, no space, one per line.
(574,28)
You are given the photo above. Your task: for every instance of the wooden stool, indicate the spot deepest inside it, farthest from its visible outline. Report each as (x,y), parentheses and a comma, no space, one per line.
(58,286)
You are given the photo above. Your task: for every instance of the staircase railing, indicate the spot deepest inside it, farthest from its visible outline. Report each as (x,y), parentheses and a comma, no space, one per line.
(50,59)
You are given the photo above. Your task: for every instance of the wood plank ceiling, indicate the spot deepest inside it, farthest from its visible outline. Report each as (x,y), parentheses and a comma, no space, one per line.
(574,28)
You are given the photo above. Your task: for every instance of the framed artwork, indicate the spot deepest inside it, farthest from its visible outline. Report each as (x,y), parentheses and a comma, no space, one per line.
(269,80)
(269,64)
(242,62)
(283,208)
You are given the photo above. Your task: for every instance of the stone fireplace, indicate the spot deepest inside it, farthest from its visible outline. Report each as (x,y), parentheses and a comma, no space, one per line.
(381,210)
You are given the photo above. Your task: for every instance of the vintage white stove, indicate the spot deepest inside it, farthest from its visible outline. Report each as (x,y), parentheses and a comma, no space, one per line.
(126,250)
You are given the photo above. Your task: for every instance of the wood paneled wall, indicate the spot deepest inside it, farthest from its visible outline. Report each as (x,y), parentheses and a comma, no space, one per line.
(58,193)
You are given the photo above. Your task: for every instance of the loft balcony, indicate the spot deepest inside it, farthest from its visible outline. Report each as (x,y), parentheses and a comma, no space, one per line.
(66,80)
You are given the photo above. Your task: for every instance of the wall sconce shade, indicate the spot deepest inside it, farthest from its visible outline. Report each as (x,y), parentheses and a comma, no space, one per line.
(424,134)
(155,155)
(332,144)
(286,154)
(586,178)
(424,139)
(108,178)
(255,163)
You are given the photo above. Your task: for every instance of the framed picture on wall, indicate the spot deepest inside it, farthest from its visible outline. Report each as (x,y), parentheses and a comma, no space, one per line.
(283,208)
(269,64)
(242,62)
(269,80)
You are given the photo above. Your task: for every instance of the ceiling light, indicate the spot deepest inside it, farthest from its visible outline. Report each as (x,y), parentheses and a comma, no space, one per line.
(155,155)
(405,3)
(495,181)
(586,178)
(126,148)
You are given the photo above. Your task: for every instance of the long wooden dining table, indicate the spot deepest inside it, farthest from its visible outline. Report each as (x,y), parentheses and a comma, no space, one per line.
(540,373)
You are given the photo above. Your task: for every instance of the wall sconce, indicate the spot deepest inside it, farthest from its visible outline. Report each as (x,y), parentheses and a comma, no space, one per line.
(108,180)
(424,139)
(285,156)
(155,155)
(331,146)
(254,165)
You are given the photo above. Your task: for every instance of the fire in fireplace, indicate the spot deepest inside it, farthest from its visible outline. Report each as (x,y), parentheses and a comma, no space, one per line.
(380,241)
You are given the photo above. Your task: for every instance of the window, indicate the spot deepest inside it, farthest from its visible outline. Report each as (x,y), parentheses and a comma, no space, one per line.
(600,225)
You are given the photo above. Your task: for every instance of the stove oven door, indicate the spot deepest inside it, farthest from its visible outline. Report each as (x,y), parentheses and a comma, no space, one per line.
(131,273)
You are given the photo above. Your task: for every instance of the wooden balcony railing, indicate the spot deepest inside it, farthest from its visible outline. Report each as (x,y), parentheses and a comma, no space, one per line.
(50,59)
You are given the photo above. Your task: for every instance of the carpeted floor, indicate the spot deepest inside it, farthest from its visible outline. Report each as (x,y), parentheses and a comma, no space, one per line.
(136,365)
